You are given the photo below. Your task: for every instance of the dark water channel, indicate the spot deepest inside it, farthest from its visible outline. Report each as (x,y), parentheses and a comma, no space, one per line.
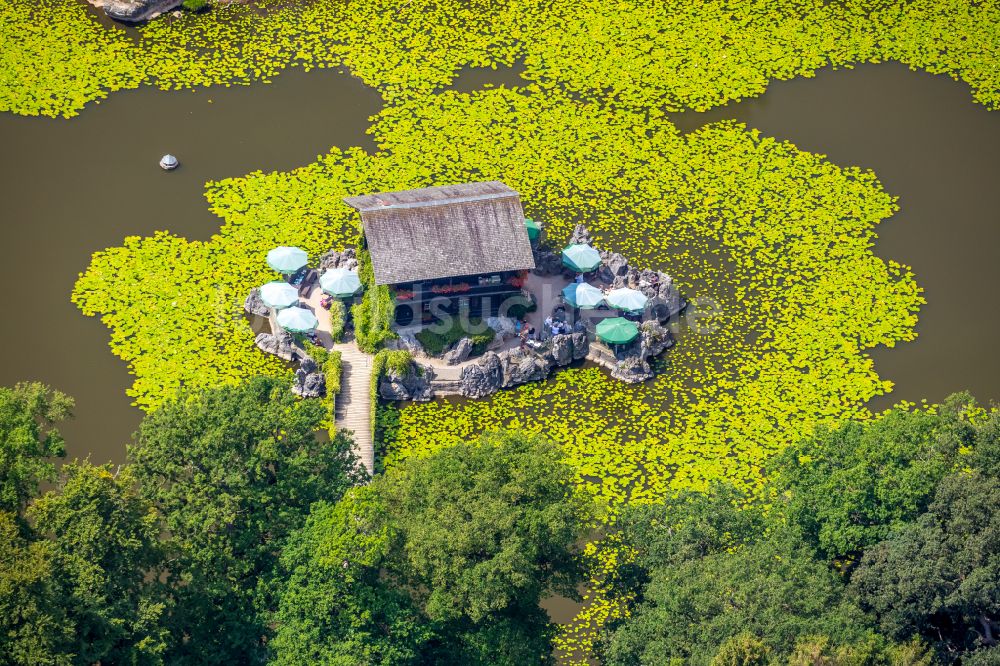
(937,150)
(71,187)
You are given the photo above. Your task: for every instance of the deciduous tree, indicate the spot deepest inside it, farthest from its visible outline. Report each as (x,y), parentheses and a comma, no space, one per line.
(938,577)
(104,546)
(29,441)
(848,488)
(441,560)
(233,470)
(33,626)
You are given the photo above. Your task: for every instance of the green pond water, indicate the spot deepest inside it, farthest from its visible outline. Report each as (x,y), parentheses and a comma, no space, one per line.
(71,187)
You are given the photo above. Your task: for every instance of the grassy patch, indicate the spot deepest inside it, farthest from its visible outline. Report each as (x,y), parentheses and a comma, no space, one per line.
(436,343)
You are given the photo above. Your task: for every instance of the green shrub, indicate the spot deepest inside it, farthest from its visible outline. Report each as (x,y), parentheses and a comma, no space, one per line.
(436,343)
(373,315)
(332,370)
(195,5)
(396,360)
(518,310)
(330,364)
(338,317)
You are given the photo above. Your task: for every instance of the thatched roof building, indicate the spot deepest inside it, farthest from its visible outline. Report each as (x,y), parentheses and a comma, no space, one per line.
(443,232)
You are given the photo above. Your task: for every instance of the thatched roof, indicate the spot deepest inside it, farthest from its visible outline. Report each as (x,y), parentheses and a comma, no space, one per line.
(447,231)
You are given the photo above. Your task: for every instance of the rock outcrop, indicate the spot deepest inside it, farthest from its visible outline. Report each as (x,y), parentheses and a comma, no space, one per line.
(580,235)
(505,369)
(309,383)
(654,339)
(461,351)
(581,345)
(522,366)
(547,262)
(281,345)
(482,378)
(136,11)
(254,304)
(632,370)
(613,265)
(406,340)
(414,384)
(566,348)
(634,366)
(347,259)
(503,326)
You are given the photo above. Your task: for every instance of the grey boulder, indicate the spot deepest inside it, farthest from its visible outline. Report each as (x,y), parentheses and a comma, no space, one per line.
(309,384)
(632,370)
(521,367)
(281,345)
(654,339)
(254,304)
(580,235)
(615,263)
(414,384)
(334,259)
(547,262)
(483,378)
(461,352)
(568,347)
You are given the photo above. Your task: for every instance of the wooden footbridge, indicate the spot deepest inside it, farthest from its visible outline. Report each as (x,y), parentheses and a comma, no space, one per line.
(353,403)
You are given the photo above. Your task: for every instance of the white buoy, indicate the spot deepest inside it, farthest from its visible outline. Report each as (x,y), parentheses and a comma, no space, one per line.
(168,162)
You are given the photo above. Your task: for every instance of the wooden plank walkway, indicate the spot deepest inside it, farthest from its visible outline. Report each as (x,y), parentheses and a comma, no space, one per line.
(353,406)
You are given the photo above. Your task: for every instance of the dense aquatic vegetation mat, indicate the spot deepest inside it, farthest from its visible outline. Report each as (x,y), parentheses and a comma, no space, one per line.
(55,56)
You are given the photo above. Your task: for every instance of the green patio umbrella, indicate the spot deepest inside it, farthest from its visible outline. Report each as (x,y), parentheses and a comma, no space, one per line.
(582,295)
(287,259)
(581,258)
(297,320)
(279,295)
(628,300)
(617,331)
(340,282)
(534,228)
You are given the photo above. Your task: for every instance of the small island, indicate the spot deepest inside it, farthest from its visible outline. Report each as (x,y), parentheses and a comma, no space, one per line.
(479,302)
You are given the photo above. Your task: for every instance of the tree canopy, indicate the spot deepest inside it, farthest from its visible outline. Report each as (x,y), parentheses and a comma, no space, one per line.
(720,584)
(236,535)
(28,441)
(233,471)
(447,557)
(33,625)
(849,487)
(104,544)
(939,577)
(874,542)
